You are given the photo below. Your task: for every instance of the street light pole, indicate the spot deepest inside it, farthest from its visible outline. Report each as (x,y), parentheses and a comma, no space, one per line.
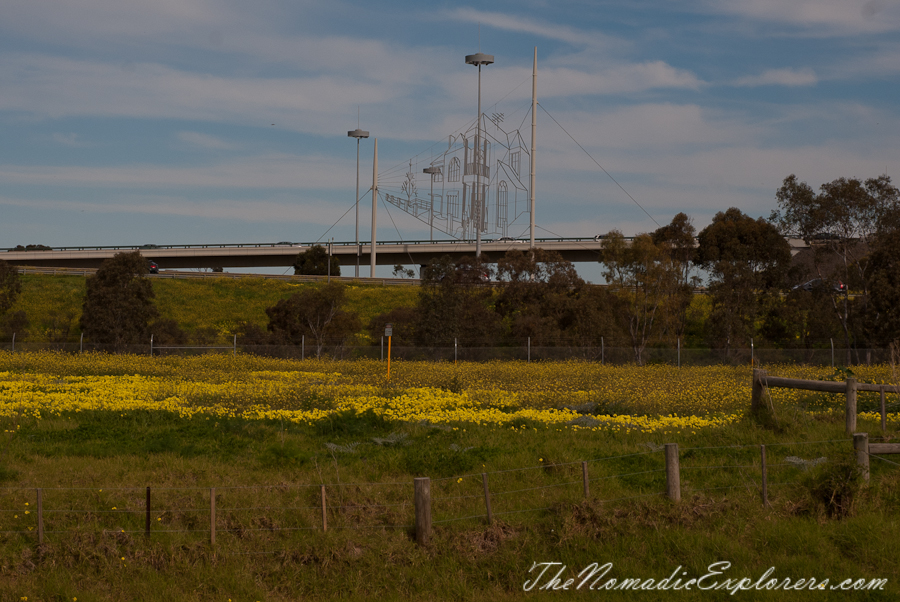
(478,59)
(357,133)
(432,171)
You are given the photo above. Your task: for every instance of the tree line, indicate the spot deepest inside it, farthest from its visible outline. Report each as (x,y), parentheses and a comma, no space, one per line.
(845,286)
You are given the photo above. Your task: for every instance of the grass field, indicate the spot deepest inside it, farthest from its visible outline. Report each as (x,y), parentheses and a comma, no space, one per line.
(211,305)
(94,431)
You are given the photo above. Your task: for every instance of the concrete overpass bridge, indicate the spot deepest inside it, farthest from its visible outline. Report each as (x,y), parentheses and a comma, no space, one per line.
(259,255)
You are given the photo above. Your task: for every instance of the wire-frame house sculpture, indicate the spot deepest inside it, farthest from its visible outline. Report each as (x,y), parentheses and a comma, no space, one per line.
(502,160)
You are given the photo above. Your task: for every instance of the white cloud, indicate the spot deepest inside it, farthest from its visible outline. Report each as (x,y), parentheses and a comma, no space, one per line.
(56,87)
(779,77)
(313,211)
(817,17)
(507,22)
(274,171)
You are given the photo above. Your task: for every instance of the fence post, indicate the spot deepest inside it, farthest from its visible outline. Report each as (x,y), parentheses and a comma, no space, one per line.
(212,516)
(584,476)
(234,348)
(147,520)
(151,345)
(529,350)
(851,406)
(832,353)
(758,390)
(752,354)
(679,352)
(883,412)
(302,346)
(324,511)
(14,343)
(422,487)
(861,445)
(40,515)
(673,476)
(81,344)
(765,476)
(455,345)
(487,498)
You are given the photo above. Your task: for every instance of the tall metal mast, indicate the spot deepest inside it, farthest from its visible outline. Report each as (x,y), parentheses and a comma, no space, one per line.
(374,208)
(533,131)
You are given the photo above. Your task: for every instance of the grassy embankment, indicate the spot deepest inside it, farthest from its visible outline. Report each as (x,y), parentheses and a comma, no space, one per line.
(819,524)
(208,305)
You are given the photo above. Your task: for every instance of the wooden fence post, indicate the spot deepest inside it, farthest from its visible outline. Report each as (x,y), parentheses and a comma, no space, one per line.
(851,406)
(40,515)
(584,475)
(883,412)
(673,476)
(324,511)
(487,498)
(212,516)
(758,390)
(422,487)
(765,476)
(861,445)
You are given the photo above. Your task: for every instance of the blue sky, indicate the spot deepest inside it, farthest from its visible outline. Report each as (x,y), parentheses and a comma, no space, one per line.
(208,121)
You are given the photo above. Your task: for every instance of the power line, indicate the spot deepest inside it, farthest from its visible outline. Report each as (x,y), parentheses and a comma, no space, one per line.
(598,165)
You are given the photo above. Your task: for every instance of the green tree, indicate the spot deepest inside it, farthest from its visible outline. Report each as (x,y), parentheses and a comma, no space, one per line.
(401,272)
(454,303)
(314,262)
(537,295)
(840,224)
(678,240)
(317,313)
(403,320)
(643,276)
(747,261)
(882,319)
(118,303)
(10,287)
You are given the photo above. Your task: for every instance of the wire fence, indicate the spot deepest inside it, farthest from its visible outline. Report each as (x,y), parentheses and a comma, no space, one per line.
(271,511)
(472,351)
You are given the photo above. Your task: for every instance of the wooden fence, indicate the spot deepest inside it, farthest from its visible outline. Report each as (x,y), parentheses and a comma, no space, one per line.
(422,499)
(762,382)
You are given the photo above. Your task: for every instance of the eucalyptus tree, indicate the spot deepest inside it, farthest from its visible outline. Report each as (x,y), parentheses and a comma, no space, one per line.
(118,302)
(643,275)
(841,224)
(747,260)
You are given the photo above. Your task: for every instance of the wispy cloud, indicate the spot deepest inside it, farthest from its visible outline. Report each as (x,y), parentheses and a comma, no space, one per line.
(817,17)
(779,77)
(508,22)
(257,211)
(272,171)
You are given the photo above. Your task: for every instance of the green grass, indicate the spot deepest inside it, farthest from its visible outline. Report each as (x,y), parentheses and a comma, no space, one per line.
(214,305)
(267,477)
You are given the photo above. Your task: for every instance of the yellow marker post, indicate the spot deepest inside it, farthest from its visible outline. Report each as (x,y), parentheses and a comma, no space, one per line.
(388,330)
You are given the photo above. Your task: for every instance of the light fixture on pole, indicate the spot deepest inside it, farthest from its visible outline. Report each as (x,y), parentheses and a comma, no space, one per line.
(478,59)
(357,133)
(432,171)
